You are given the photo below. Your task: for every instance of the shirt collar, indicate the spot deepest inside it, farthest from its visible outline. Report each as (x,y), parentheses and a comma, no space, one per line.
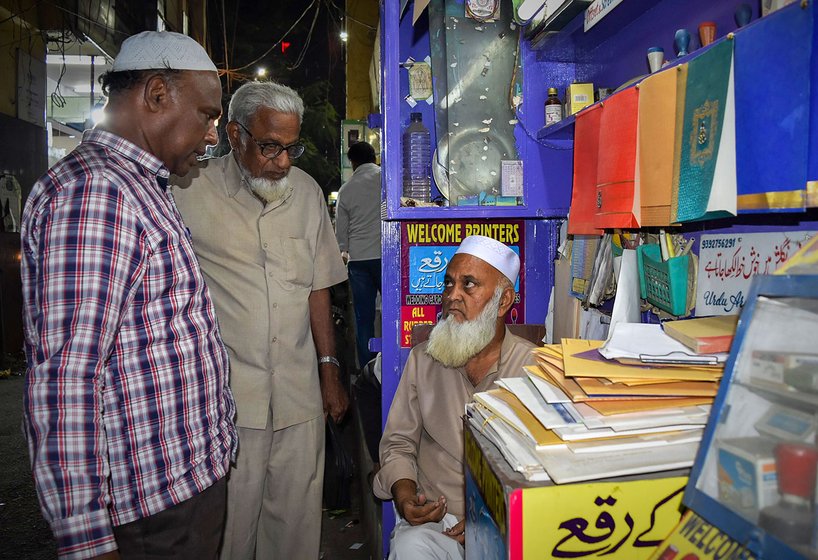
(234,181)
(128,150)
(364,167)
(505,350)
(491,374)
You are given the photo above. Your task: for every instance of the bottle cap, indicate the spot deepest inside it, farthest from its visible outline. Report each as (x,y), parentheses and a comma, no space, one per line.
(552,91)
(796,465)
(415,117)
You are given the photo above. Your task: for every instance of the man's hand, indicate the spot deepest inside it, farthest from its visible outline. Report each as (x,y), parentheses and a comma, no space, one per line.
(415,508)
(458,532)
(345,257)
(333,395)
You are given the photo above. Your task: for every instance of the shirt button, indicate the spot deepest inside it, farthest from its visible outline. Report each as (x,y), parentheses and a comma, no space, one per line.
(265,245)
(275,305)
(270,274)
(275,339)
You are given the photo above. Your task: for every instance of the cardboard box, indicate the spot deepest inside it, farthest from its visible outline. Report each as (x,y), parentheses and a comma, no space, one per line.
(578,96)
(773,366)
(748,478)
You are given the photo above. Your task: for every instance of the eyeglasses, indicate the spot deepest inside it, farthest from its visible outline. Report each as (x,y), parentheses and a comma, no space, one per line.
(272,150)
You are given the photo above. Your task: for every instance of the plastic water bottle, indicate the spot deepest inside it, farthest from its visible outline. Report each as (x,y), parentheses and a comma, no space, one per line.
(417,160)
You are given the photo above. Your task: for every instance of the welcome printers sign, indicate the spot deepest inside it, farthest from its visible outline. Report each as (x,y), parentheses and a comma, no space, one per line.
(427,248)
(598,10)
(728,262)
(696,539)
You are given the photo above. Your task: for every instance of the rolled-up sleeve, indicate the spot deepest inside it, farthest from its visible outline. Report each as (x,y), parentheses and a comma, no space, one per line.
(342,222)
(329,267)
(401,437)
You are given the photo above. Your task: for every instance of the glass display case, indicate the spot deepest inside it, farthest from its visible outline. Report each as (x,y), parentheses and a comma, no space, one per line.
(755,474)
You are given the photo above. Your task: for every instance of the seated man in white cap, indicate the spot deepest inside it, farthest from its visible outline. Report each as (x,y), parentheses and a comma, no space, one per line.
(421,450)
(128,413)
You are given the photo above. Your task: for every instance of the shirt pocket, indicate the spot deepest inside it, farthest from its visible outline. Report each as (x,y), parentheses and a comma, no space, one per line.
(299,261)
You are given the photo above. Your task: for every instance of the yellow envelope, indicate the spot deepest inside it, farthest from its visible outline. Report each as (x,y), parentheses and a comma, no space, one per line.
(609,407)
(555,376)
(596,389)
(581,367)
(542,435)
(657,140)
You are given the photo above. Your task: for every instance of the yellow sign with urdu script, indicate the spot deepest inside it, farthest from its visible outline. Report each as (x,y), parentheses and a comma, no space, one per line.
(613,520)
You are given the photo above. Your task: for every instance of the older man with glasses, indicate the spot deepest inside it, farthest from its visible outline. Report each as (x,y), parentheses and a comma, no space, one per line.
(264,239)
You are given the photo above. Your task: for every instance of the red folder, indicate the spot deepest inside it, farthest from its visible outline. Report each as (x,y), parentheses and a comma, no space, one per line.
(583,197)
(617,203)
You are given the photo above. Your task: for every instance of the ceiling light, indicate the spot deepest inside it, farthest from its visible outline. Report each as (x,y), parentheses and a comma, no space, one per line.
(344,36)
(261,72)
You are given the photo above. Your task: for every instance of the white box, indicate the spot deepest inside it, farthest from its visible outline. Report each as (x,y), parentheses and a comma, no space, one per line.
(747,473)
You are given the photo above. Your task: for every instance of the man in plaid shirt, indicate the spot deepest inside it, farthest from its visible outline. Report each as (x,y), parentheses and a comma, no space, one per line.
(129,417)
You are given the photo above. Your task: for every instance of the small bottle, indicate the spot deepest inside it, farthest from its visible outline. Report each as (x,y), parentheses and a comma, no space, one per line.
(553,108)
(417,160)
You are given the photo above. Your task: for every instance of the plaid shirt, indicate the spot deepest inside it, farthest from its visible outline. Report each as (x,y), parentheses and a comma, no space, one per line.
(128,410)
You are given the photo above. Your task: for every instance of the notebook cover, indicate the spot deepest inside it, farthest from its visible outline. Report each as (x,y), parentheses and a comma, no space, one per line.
(705,101)
(583,198)
(704,335)
(616,200)
(657,139)
(773,109)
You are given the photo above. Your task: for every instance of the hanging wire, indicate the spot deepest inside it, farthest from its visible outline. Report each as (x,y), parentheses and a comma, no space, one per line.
(277,43)
(226,54)
(21,12)
(303,52)
(235,27)
(89,20)
(342,14)
(57,98)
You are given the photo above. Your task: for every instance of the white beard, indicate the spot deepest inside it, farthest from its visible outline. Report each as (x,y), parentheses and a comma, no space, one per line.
(267,190)
(453,344)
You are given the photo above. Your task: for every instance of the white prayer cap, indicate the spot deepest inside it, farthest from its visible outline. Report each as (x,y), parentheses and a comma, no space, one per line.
(156,50)
(493,252)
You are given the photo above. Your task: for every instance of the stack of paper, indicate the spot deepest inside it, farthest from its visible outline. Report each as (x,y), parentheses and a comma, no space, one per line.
(580,416)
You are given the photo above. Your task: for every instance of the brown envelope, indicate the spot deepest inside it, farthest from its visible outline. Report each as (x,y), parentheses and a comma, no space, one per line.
(657,142)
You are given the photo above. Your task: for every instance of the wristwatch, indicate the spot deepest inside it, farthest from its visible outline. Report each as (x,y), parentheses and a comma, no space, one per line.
(329,360)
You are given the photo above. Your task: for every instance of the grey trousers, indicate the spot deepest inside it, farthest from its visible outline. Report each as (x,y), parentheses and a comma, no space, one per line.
(274,494)
(190,530)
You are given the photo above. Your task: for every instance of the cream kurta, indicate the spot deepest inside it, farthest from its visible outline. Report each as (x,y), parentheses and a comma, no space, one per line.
(261,262)
(423,438)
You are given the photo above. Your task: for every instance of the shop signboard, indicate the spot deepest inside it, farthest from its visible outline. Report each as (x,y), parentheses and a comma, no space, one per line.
(696,539)
(617,520)
(426,249)
(728,262)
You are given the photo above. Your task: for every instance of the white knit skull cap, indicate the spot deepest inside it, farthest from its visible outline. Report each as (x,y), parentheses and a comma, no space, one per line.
(493,252)
(156,50)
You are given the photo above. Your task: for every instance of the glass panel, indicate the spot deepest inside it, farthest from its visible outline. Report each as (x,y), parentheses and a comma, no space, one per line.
(762,461)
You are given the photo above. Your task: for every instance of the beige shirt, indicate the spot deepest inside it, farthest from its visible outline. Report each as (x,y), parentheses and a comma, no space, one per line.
(261,262)
(423,438)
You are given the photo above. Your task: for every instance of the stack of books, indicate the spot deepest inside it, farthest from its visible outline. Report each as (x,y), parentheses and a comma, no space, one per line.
(633,404)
